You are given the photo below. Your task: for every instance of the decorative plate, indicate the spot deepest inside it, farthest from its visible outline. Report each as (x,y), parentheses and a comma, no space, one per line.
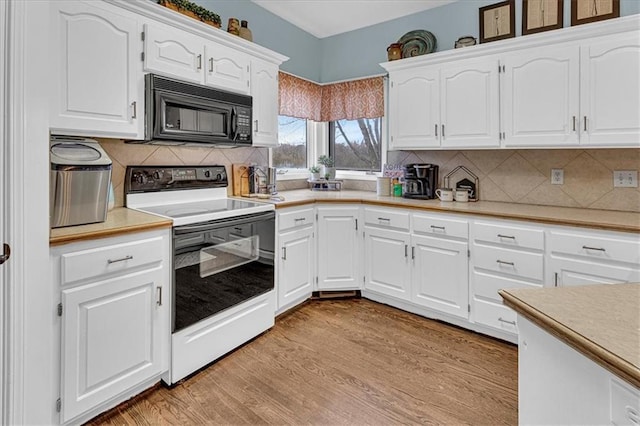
(417,42)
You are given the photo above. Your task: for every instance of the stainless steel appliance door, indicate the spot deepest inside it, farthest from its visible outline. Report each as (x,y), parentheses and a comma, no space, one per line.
(78,196)
(220,264)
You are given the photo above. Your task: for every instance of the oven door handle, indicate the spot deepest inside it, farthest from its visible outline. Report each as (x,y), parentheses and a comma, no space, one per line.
(223,223)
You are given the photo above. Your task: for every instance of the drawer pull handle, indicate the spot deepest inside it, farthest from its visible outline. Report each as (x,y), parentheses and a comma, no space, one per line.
(442,228)
(384,219)
(506,321)
(406,250)
(511,237)
(632,414)
(300,219)
(159,301)
(502,262)
(199,62)
(284,253)
(122,259)
(134,107)
(593,248)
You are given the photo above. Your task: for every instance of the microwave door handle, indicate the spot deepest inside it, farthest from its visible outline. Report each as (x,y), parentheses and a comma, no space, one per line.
(234,124)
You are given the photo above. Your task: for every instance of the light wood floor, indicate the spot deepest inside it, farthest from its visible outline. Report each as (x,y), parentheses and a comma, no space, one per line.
(343,362)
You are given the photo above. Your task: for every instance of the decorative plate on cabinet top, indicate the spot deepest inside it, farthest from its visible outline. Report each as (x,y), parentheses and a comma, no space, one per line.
(417,42)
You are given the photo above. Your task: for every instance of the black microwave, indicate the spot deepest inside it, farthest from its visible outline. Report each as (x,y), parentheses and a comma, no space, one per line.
(184,113)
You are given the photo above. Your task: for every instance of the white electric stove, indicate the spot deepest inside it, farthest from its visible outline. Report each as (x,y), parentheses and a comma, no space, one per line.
(223,260)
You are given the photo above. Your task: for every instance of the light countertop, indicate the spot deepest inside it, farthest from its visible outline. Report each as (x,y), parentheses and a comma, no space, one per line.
(600,321)
(119,221)
(589,218)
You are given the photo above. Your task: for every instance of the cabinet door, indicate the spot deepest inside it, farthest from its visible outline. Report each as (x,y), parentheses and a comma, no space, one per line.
(469,107)
(264,89)
(440,275)
(387,267)
(541,99)
(295,267)
(112,334)
(570,272)
(339,250)
(227,69)
(173,53)
(610,91)
(97,89)
(414,109)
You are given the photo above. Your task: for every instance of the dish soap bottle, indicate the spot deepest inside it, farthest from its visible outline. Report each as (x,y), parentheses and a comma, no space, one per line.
(245,32)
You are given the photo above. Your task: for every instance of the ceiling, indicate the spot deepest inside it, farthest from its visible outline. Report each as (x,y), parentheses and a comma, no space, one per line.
(325,18)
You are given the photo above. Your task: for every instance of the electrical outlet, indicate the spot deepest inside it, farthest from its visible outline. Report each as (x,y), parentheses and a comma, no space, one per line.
(625,178)
(557,176)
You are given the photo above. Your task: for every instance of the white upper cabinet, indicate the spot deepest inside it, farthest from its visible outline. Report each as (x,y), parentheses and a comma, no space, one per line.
(469,107)
(610,91)
(541,97)
(574,87)
(176,53)
(264,90)
(173,53)
(97,87)
(227,69)
(414,109)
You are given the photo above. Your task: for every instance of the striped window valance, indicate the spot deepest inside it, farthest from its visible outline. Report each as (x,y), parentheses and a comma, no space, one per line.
(337,101)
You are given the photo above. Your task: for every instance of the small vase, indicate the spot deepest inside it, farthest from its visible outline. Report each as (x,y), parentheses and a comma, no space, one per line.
(329,173)
(245,32)
(315,176)
(394,51)
(234,26)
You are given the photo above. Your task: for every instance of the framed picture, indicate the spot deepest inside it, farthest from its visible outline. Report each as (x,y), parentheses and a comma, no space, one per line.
(585,11)
(497,21)
(541,15)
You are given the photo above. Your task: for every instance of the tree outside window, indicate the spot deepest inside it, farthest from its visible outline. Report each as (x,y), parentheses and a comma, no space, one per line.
(356,144)
(291,152)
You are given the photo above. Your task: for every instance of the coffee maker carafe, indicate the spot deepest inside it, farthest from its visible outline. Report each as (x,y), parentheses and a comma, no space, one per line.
(420,181)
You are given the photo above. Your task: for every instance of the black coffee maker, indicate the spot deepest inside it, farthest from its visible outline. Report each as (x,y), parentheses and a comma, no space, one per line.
(420,181)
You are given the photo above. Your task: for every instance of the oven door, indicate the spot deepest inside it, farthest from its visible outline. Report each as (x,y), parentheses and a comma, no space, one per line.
(220,264)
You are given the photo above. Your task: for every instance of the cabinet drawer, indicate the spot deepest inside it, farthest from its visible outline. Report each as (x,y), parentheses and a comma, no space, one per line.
(387,218)
(438,226)
(510,262)
(486,286)
(509,235)
(296,218)
(594,247)
(495,315)
(109,259)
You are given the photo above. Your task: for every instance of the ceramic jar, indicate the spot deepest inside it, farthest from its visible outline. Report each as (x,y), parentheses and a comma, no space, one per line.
(394,51)
(245,32)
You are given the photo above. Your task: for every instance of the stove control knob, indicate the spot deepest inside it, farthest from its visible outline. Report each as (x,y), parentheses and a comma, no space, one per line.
(207,174)
(142,179)
(156,175)
(218,177)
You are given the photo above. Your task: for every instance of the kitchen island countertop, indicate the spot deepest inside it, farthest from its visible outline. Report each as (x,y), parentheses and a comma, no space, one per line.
(119,221)
(589,218)
(600,321)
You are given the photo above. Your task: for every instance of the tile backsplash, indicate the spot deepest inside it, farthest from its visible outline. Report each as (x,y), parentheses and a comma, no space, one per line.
(124,154)
(516,176)
(524,176)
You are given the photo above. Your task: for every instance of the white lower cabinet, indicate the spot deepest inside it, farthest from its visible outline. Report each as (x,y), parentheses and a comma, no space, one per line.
(592,257)
(295,271)
(115,325)
(387,263)
(440,273)
(339,248)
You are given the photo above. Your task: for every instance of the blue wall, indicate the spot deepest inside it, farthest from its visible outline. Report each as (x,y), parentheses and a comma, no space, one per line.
(358,53)
(274,33)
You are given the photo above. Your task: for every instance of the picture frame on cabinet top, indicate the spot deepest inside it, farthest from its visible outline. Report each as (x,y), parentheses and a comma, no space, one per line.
(541,15)
(586,11)
(497,21)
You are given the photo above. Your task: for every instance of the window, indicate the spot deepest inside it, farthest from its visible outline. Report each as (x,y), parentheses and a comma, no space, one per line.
(356,144)
(291,152)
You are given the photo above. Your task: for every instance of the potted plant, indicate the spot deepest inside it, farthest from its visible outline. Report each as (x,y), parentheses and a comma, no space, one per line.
(328,169)
(315,172)
(194,11)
